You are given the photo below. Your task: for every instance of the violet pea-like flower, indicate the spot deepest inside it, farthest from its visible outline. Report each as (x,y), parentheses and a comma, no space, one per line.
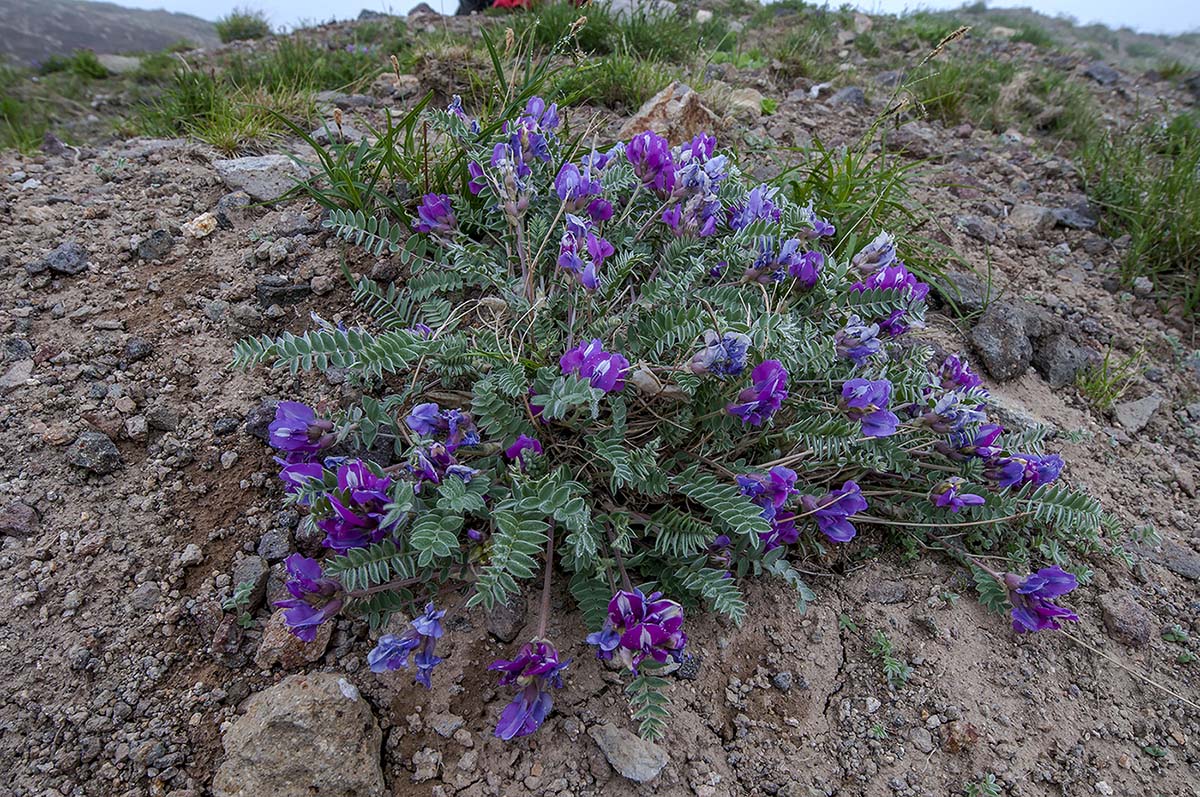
(639,628)
(650,156)
(858,342)
(770,490)
(419,641)
(315,598)
(866,401)
(516,452)
(533,671)
(756,404)
(298,476)
(435,214)
(982,444)
(722,355)
(949,495)
(296,429)
(1015,470)
(833,510)
(879,253)
(604,370)
(955,374)
(756,207)
(1032,599)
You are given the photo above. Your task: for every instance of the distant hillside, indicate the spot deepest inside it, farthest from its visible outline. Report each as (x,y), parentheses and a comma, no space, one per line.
(31,30)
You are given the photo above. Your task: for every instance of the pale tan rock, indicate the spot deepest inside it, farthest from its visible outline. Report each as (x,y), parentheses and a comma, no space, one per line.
(676,112)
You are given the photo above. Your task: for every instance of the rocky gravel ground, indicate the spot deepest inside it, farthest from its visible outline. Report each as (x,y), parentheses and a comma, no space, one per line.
(138,492)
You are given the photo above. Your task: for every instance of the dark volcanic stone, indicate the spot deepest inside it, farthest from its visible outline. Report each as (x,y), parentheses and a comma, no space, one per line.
(1003,346)
(69,258)
(259,418)
(1102,73)
(156,245)
(138,349)
(1060,361)
(94,451)
(505,621)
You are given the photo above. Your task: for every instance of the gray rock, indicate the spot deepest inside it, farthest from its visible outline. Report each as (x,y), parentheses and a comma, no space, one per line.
(851,96)
(281,294)
(162,418)
(1134,415)
(119,64)
(921,739)
(231,208)
(138,349)
(1102,73)
(1002,343)
(1143,286)
(1176,558)
(259,419)
(1074,218)
(17,348)
(505,621)
(307,735)
(632,757)
(1033,219)
(145,597)
(16,375)
(252,570)
(445,725)
(155,246)
(262,177)
(978,228)
(275,545)
(68,258)
(19,520)
(1060,361)
(782,681)
(1125,620)
(963,290)
(330,133)
(914,139)
(94,451)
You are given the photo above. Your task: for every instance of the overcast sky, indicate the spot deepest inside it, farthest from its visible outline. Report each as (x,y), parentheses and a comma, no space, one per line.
(1150,16)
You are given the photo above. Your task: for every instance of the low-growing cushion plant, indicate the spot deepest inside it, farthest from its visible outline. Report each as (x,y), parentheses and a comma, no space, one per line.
(635,368)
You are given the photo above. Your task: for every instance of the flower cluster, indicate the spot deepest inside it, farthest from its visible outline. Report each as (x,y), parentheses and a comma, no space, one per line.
(640,627)
(418,642)
(634,364)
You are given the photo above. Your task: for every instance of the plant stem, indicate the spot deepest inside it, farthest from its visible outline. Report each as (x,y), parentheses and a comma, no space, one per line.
(549,570)
(1140,676)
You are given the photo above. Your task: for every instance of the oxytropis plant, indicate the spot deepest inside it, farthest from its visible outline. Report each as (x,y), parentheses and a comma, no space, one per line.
(632,366)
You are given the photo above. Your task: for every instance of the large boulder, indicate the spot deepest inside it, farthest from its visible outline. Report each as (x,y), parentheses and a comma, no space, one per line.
(307,735)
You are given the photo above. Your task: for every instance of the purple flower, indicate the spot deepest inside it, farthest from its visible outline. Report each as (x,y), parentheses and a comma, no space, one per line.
(582,252)
(756,404)
(756,207)
(393,650)
(807,268)
(299,476)
(434,463)
(770,490)
(477,179)
(576,187)
(783,531)
(775,260)
(949,495)
(833,510)
(511,169)
(1020,469)
(364,487)
(455,108)
(535,669)
(435,214)
(650,156)
(955,374)
(953,412)
(314,600)
(867,401)
(876,255)
(911,290)
(516,452)
(696,214)
(348,527)
(638,628)
(296,429)
(818,227)
(421,330)
(981,444)
(1032,596)
(722,355)
(858,342)
(458,427)
(603,369)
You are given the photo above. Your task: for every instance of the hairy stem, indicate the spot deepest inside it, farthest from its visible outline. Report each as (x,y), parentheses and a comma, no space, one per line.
(549,570)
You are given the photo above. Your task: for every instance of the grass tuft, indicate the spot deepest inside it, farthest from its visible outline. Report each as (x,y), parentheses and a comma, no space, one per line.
(1105,383)
(243,24)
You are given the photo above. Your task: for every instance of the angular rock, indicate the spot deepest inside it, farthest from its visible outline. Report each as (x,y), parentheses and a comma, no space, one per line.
(280,646)
(631,756)
(119,64)
(1077,218)
(330,133)
(145,597)
(231,207)
(1033,219)
(138,349)
(505,620)
(68,258)
(963,290)
(16,376)
(308,735)
(259,419)
(156,245)
(676,112)
(19,520)
(1002,343)
(1176,558)
(914,139)
(1059,360)
(1102,73)
(94,451)
(921,739)
(252,570)
(262,177)
(745,104)
(1125,619)
(978,228)
(851,96)
(1134,415)
(887,592)
(275,545)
